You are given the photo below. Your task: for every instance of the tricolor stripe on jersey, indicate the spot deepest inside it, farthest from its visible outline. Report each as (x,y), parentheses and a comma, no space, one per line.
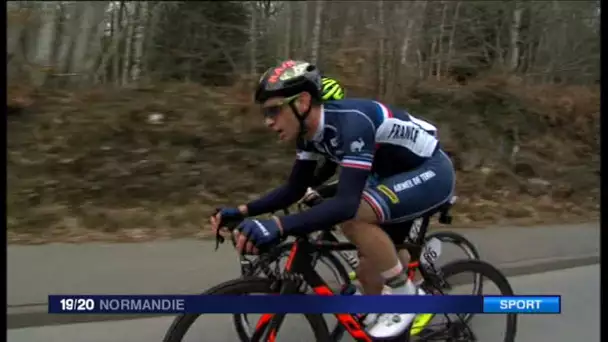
(384,111)
(356,163)
(377,206)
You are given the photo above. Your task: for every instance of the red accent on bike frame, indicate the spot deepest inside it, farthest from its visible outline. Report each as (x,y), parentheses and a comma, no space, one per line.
(353,327)
(292,255)
(266,318)
(411,269)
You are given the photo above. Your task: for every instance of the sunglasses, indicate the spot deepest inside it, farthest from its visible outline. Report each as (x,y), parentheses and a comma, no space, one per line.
(274,110)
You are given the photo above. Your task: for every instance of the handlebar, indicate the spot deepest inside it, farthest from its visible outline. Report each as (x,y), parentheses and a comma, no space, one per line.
(231,225)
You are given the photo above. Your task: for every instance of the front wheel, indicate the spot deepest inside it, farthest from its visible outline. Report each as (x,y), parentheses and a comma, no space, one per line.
(242,323)
(242,286)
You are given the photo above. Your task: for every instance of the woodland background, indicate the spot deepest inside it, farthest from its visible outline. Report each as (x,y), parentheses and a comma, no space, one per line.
(132,120)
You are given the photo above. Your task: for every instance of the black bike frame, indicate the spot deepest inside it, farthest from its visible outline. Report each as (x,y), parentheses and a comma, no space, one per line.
(299,264)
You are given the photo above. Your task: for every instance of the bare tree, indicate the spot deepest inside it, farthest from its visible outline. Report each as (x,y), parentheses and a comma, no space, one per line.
(452,34)
(316,32)
(394,42)
(46,42)
(303,28)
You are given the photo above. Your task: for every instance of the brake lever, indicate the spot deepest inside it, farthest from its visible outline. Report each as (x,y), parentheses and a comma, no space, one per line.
(219,239)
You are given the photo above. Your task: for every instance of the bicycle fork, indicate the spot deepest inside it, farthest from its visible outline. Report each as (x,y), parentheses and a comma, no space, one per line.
(298,264)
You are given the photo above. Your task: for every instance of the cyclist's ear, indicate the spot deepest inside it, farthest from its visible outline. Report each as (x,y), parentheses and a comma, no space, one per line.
(303,101)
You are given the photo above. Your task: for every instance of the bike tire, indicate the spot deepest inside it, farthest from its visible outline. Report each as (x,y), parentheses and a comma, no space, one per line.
(458,239)
(241,323)
(465,245)
(490,272)
(241,286)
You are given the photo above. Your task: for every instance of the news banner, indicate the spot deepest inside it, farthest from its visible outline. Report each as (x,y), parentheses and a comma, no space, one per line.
(217,304)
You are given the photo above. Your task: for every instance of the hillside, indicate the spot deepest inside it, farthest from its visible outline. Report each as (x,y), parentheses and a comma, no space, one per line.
(154,161)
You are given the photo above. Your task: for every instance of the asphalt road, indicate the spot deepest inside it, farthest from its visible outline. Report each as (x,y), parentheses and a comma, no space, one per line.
(579,320)
(192,266)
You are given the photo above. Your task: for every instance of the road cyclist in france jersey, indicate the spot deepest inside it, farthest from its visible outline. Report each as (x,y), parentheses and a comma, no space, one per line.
(332,90)
(369,140)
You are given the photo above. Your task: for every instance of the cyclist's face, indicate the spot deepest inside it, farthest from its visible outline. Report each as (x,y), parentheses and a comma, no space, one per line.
(279,117)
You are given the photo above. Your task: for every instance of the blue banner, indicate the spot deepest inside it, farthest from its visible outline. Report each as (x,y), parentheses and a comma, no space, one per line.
(209,304)
(522,304)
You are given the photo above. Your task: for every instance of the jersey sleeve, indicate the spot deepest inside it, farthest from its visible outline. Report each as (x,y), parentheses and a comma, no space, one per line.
(358,141)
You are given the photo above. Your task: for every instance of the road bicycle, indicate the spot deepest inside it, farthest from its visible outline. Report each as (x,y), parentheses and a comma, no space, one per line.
(339,261)
(300,277)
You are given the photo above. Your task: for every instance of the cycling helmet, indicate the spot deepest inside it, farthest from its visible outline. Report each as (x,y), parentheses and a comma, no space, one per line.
(289,79)
(331,89)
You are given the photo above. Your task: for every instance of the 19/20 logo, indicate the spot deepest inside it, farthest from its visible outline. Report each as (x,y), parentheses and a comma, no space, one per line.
(77,304)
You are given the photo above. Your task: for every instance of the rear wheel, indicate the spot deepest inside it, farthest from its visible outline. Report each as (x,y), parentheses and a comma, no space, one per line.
(244,286)
(458,329)
(464,245)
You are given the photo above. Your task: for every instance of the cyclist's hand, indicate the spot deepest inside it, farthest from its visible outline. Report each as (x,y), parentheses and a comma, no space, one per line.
(250,235)
(310,197)
(224,215)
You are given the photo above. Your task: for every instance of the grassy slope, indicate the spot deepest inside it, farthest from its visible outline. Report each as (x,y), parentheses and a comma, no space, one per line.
(89,165)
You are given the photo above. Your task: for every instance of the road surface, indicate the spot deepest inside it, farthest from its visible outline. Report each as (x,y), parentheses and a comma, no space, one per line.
(579,319)
(191,266)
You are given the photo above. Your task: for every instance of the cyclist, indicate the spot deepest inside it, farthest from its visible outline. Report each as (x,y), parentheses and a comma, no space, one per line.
(414,176)
(332,91)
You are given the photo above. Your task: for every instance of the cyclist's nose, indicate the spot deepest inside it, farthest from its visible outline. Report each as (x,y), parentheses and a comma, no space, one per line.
(269,122)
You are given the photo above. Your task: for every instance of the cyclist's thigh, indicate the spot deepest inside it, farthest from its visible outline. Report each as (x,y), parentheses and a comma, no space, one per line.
(409,195)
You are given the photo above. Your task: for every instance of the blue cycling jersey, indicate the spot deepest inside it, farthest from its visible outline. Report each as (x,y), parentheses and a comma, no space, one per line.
(363,137)
(369,135)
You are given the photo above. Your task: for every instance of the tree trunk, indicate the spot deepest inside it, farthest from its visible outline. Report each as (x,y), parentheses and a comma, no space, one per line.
(149,32)
(45,43)
(98,31)
(68,36)
(118,33)
(432,57)
(138,40)
(515,27)
(84,38)
(452,33)
(407,35)
(126,60)
(253,27)
(288,25)
(440,39)
(303,29)
(347,33)
(420,64)
(381,49)
(316,33)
